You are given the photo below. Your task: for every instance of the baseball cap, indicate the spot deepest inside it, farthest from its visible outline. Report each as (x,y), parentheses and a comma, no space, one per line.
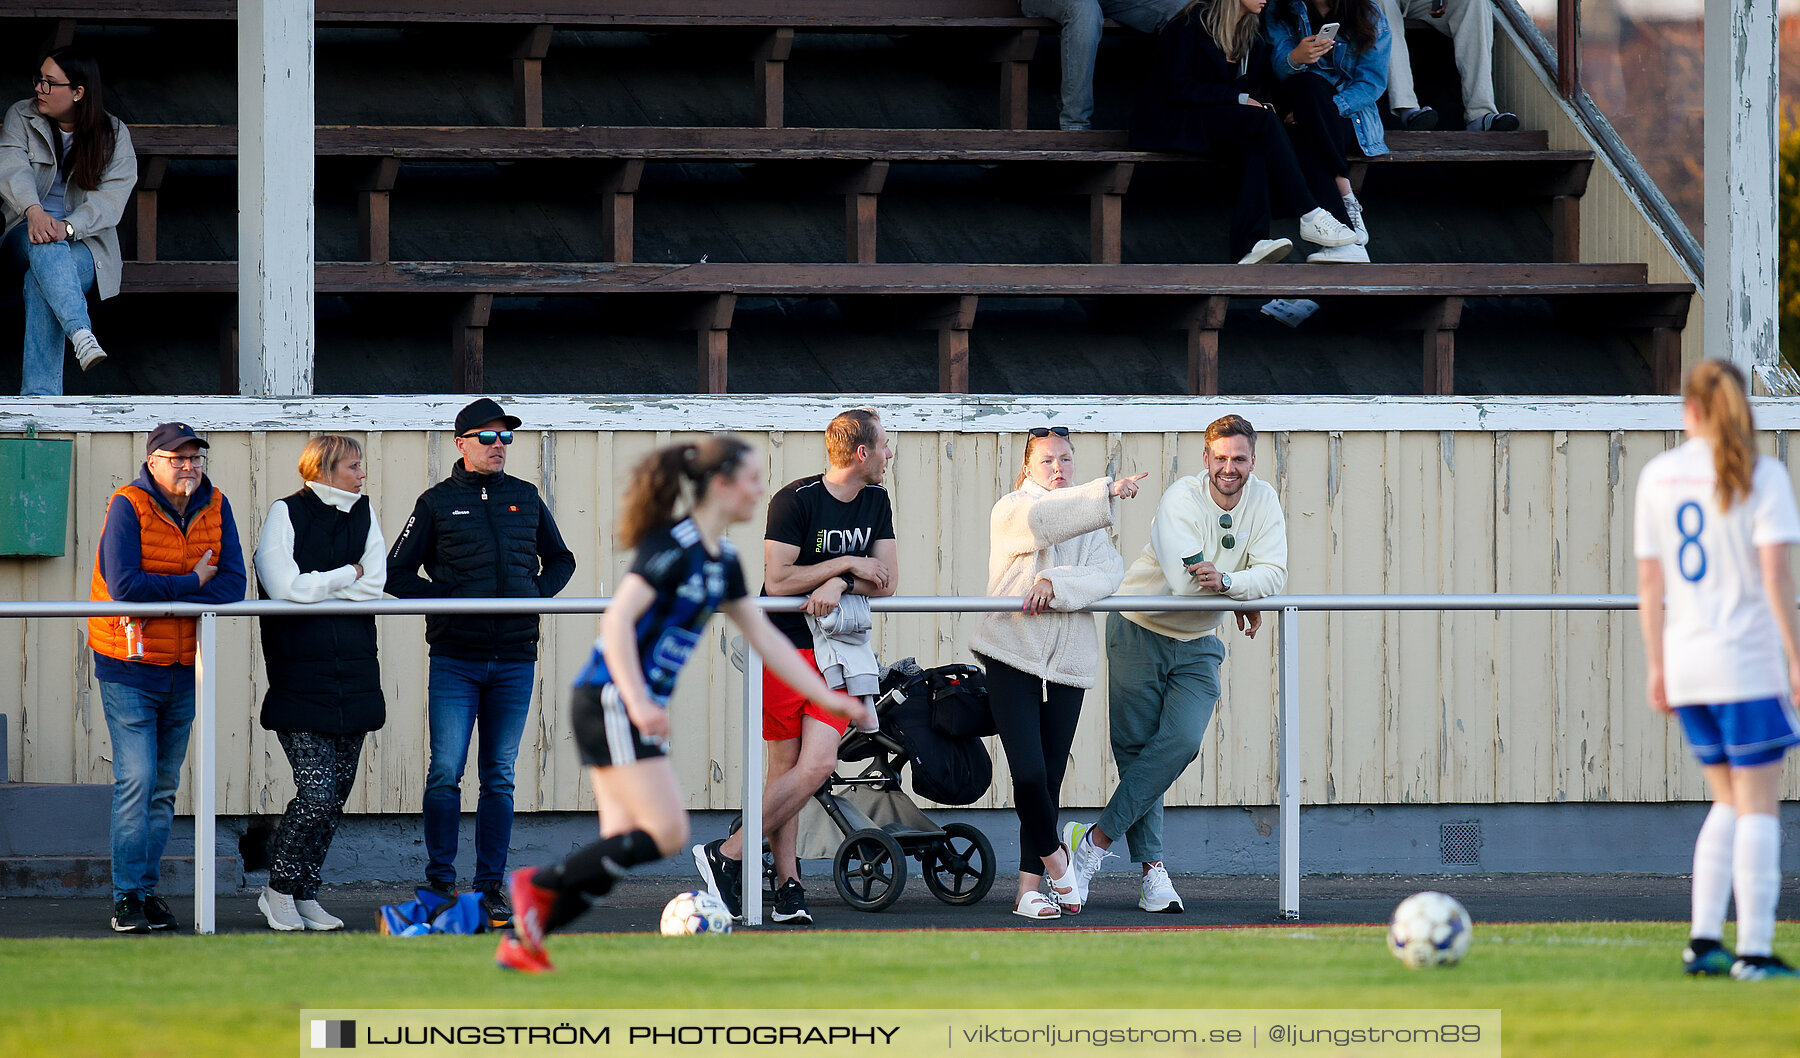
(169,436)
(481,412)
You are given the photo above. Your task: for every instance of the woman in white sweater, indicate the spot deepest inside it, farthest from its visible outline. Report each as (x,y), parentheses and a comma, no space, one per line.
(1049,545)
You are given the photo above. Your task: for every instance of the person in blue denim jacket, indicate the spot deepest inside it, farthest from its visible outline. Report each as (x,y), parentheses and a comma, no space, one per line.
(1329,89)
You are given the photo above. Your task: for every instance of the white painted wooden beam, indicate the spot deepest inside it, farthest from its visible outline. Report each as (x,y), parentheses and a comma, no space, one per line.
(1739,102)
(275,197)
(936,412)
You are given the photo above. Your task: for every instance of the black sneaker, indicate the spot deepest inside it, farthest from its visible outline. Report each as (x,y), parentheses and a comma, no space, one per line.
(128,915)
(441,890)
(790,904)
(156,909)
(724,877)
(494,906)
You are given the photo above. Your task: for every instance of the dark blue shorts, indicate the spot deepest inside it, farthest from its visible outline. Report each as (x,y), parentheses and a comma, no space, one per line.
(1743,734)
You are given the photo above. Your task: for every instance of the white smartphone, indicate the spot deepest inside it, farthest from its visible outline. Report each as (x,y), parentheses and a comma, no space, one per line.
(1329,32)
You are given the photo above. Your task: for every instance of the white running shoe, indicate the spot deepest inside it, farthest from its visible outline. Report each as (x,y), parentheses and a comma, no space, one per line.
(1267,251)
(317,918)
(87,348)
(1351,254)
(1084,857)
(1353,210)
(1322,229)
(279,909)
(1159,895)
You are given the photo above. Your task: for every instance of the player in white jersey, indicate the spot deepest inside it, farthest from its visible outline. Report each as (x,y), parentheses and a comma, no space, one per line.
(1714,521)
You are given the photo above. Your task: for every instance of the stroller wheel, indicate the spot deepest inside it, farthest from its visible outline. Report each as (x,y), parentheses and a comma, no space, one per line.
(960,868)
(870,870)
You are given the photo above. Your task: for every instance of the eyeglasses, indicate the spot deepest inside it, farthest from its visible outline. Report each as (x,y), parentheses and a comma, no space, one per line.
(197,462)
(488,437)
(1046,431)
(1227,540)
(47,84)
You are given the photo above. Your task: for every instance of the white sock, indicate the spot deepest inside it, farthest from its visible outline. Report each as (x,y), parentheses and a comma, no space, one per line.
(1756,879)
(1712,872)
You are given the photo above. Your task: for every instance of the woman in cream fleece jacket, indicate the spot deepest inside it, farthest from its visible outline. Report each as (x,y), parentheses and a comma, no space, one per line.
(1049,546)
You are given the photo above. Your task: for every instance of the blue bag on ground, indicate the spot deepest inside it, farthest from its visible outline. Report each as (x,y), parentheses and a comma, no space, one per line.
(428,912)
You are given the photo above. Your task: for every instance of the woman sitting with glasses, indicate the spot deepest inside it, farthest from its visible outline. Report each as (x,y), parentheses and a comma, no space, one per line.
(66,171)
(1049,545)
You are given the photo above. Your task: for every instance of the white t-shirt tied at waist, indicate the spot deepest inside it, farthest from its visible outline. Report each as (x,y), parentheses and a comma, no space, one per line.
(1187,523)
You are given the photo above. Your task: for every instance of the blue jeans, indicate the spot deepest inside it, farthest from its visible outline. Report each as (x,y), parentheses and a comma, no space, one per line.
(1081,27)
(463,696)
(57,279)
(149,741)
(1161,693)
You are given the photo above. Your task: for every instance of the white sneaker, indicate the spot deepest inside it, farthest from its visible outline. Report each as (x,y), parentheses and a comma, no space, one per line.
(279,909)
(1353,210)
(315,917)
(1351,254)
(1084,857)
(1267,251)
(87,348)
(1159,896)
(1322,229)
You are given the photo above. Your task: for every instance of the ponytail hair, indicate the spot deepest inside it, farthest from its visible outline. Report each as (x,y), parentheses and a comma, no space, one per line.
(1720,398)
(654,490)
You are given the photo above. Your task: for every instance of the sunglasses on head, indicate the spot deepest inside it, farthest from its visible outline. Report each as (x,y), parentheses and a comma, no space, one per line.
(1046,431)
(488,437)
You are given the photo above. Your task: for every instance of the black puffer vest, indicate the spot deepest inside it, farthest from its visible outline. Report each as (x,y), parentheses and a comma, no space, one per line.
(486,529)
(323,672)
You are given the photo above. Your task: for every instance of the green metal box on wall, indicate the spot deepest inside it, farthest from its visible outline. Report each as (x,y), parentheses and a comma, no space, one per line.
(34,496)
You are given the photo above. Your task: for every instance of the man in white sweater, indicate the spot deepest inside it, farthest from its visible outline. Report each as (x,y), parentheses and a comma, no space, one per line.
(1220,532)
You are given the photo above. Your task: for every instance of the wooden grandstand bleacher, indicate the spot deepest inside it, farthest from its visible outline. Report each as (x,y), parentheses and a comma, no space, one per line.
(1096,164)
(945,296)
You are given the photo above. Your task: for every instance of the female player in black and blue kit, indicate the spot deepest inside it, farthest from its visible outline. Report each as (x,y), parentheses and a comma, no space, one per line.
(683,571)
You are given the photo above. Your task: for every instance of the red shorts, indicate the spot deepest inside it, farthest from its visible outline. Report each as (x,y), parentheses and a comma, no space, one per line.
(783,707)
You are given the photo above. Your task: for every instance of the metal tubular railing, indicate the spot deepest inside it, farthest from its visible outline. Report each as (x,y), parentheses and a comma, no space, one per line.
(1286,607)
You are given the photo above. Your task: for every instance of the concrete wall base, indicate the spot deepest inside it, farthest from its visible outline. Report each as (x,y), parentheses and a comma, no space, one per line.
(1569,838)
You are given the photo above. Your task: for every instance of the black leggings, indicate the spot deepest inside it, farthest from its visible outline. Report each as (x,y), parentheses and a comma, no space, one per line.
(1322,136)
(324,771)
(1037,721)
(1270,179)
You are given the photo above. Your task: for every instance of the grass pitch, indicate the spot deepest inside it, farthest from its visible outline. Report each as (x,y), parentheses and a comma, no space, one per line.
(1590,989)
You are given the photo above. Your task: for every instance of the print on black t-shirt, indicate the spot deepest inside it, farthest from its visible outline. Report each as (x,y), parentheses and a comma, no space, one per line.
(805,514)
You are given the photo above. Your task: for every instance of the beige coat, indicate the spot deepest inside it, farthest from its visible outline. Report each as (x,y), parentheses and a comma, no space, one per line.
(1059,536)
(28,168)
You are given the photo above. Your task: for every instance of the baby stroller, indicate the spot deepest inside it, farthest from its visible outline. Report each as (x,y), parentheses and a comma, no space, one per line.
(874,826)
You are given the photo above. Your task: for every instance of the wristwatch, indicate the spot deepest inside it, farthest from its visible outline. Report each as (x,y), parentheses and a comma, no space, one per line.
(68,229)
(849,580)
(1224,582)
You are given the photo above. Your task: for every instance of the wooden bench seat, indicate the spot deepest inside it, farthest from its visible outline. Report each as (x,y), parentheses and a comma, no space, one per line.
(945,298)
(524,29)
(1097,164)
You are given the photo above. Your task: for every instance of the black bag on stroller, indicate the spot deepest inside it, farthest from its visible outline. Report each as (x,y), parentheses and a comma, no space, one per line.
(948,767)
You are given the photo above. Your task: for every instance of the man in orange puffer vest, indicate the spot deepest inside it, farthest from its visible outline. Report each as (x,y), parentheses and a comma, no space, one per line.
(169,537)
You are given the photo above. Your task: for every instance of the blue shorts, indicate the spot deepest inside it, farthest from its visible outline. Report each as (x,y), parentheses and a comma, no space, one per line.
(1744,734)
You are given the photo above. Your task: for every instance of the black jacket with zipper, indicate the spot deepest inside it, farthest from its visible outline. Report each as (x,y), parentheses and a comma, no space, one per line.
(480,536)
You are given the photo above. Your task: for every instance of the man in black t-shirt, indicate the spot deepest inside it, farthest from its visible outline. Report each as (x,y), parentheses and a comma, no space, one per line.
(828,535)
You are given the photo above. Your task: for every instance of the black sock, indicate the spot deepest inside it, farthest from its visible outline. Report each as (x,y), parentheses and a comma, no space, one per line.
(589,872)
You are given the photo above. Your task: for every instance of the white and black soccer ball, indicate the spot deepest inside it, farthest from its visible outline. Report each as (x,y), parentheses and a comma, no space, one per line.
(1430,929)
(695,913)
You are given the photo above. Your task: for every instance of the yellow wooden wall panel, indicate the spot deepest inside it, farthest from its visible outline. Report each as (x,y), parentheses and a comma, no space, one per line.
(1462,707)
